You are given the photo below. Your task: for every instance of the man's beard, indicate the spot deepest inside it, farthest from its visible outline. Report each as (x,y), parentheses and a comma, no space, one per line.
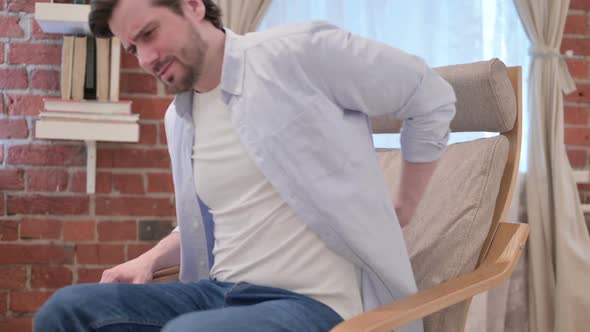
(194,53)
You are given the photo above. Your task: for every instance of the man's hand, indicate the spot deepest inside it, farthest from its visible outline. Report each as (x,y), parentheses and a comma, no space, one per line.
(136,271)
(414,179)
(404,214)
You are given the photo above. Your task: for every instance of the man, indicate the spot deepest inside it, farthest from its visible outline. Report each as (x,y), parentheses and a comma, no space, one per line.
(271,147)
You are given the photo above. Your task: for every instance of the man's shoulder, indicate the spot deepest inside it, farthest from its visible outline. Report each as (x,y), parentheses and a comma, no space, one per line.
(286,33)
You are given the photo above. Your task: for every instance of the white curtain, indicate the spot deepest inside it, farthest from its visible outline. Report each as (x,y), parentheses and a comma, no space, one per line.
(559,244)
(443,33)
(242,16)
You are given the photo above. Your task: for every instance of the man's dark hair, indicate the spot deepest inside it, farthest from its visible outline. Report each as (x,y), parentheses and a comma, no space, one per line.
(102,10)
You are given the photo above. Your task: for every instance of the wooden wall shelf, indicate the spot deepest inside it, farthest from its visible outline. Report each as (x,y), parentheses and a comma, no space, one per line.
(63,18)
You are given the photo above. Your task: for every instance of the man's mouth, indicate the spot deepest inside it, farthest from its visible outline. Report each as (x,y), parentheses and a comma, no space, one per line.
(164,68)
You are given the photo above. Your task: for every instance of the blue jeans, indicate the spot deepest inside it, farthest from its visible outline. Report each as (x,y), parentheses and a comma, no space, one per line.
(206,305)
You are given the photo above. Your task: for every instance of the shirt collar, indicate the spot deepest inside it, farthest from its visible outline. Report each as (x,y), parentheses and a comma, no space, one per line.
(232,73)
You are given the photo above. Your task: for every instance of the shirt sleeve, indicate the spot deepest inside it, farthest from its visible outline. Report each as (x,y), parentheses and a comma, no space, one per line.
(368,76)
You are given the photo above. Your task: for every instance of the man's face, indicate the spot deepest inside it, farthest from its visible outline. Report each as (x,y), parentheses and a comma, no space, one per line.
(167,45)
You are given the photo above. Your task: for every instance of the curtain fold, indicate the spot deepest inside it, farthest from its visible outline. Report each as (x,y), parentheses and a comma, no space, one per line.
(243,16)
(559,243)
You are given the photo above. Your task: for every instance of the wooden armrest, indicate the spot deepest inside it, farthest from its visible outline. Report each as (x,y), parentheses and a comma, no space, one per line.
(496,268)
(169,274)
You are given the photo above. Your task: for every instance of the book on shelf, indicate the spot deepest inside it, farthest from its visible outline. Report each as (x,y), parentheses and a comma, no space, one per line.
(122,107)
(90,77)
(90,116)
(67,66)
(115,69)
(103,59)
(79,67)
(87,130)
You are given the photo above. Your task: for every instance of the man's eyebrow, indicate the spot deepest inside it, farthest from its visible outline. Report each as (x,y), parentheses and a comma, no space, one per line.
(142,31)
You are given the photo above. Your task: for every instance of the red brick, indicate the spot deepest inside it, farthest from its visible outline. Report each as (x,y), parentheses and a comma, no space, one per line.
(13,324)
(134,206)
(133,158)
(89,275)
(8,230)
(576,24)
(128,60)
(576,115)
(128,183)
(50,277)
(102,182)
(24,104)
(580,46)
(578,68)
(136,250)
(3,302)
(578,158)
(581,95)
(160,183)
(13,277)
(47,180)
(9,27)
(162,133)
(150,108)
(1,55)
(46,155)
(13,79)
(35,253)
(577,136)
(39,34)
(13,129)
(35,54)
(148,134)
(54,205)
(117,231)
(79,230)
(580,4)
(2,213)
(138,83)
(101,254)
(1,154)
(42,79)
(40,229)
(12,179)
(27,301)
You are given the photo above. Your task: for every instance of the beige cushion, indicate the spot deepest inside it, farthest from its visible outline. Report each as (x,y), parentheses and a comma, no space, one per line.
(485,99)
(452,221)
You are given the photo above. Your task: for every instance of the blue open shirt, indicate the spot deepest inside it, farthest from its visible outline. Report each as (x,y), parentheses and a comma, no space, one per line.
(299,98)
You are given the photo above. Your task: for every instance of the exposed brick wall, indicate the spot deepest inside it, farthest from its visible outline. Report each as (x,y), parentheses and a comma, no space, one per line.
(577,104)
(52,233)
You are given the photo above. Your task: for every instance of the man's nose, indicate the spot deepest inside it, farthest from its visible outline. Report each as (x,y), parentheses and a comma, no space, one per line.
(147,58)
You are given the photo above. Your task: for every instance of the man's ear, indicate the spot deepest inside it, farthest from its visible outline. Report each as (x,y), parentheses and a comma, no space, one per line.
(195,8)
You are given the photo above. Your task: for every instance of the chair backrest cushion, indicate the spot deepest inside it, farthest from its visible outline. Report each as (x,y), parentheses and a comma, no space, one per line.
(485,99)
(445,237)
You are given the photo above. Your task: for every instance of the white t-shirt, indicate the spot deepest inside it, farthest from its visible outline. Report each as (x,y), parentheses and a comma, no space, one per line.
(258,238)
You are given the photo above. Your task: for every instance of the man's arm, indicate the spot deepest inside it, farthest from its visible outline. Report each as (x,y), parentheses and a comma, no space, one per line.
(368,76)
(413,183)
(141,269)
(365,75)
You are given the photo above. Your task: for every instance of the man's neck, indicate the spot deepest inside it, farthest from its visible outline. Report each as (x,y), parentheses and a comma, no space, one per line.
(211,76)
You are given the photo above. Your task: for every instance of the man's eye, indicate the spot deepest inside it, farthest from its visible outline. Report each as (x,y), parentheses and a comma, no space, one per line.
(148,34)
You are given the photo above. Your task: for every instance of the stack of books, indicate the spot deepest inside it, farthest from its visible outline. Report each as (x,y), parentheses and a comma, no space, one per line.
(88,120)
(89,107)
